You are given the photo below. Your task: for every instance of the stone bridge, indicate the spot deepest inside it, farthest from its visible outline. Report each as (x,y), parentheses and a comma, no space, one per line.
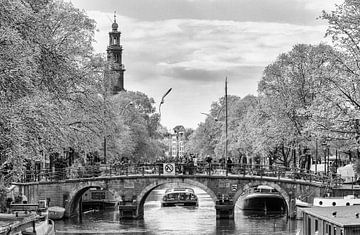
(133,190)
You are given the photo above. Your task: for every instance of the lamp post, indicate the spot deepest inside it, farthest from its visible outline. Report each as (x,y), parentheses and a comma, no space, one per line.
(162,100)
(226,126)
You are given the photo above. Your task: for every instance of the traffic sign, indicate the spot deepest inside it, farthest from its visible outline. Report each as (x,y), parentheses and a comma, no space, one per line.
(169,168)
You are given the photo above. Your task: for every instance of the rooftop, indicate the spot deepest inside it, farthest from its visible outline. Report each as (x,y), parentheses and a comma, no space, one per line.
(345,215)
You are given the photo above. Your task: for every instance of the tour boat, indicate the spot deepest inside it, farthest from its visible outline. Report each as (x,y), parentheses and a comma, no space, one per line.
(56,212)
(179,197)
(264,200)
(20,223)
(348,200)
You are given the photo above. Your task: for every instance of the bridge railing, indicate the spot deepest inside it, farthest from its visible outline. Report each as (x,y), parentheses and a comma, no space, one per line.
(201,168)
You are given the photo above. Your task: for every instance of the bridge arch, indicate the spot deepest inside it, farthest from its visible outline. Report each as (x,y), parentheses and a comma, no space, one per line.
(148,189)
(76,193)
(282,192)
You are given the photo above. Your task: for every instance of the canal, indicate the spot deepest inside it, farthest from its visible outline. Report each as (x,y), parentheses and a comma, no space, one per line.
(177,220)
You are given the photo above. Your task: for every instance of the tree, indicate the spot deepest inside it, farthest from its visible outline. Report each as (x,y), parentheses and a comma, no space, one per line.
(288,90)
(133,130)
(46,80)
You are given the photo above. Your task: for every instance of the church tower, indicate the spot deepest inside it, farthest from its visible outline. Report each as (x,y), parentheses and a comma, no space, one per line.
(114,56)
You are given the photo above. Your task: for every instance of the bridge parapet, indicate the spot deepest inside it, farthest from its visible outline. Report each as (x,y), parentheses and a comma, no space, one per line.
(201,168)
(132,190)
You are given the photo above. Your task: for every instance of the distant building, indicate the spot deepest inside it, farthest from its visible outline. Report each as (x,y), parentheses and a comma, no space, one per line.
(114,55)
(176,144)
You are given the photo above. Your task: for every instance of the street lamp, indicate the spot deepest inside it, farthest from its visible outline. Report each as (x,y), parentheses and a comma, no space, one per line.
(162,100)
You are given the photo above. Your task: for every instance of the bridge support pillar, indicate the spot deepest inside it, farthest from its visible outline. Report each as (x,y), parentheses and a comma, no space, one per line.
(292,209)
(224,211)
(128,210)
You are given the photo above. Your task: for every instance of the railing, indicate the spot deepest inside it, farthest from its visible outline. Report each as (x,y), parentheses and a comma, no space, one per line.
(180,169)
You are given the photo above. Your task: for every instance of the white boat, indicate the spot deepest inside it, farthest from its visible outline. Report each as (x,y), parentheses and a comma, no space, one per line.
(348,200)
(179,197)
(21,223)
(56,212)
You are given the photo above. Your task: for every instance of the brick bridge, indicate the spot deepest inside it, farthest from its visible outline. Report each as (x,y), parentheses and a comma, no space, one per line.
(132,190)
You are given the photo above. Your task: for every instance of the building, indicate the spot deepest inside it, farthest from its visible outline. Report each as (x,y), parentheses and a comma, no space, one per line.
(114,55)
(336,220)
(176,144)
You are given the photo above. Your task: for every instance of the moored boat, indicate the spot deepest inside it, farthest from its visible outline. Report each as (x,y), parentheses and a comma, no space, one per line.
(56,212)
(264,200)
(18,224)
(348,200)
(179,197)
(98,199)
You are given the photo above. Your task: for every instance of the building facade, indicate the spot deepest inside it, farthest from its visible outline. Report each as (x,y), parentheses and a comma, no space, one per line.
(176,144)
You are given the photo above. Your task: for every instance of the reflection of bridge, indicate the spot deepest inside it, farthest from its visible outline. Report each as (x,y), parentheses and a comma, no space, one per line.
(133,188)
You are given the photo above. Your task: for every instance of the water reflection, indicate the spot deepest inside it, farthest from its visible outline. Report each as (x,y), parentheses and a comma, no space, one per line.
(177,220)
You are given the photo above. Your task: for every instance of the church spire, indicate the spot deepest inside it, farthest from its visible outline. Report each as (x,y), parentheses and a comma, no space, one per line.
(115,25)
(114,54)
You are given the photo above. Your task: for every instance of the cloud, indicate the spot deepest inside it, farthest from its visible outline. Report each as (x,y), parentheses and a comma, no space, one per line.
(320,5)
(301,12)
(193,56)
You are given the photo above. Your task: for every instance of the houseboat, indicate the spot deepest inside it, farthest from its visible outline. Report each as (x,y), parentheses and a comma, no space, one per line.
(348,200)
(340,220)
(179,197)
(263,200)
(96,199)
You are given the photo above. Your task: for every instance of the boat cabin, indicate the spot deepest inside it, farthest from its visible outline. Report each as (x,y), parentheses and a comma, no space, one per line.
(264,189)
(180,196)
(341,220)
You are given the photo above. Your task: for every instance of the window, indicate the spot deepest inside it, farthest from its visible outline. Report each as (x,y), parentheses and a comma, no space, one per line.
(316,225)
(326,229)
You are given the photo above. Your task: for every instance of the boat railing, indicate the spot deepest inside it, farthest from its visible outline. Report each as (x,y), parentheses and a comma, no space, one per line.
(14,207)
(18,225)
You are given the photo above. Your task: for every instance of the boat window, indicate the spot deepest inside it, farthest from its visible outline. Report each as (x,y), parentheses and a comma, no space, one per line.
(326,229)
(348,204)
(316,225)
(320,203)
(98,195)
(334,203)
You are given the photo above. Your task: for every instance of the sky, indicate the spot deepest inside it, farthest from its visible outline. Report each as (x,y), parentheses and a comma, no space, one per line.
(191,46)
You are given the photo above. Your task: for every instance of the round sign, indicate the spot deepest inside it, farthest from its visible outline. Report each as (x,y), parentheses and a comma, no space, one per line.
(169,168)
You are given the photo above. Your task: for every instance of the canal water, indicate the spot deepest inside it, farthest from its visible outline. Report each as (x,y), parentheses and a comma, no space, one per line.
(178,220)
